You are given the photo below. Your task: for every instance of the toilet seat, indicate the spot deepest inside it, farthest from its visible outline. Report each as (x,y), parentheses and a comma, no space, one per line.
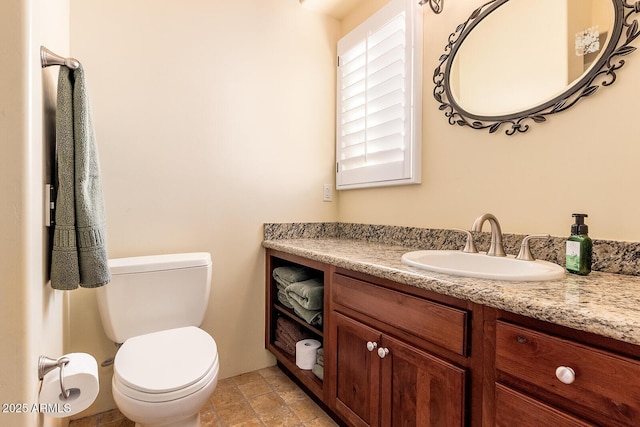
(165,365)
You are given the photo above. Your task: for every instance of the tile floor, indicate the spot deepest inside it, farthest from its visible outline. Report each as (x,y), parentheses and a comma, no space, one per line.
(266,398)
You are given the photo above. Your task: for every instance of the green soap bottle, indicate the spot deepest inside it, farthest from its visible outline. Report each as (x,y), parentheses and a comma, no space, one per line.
(579,247)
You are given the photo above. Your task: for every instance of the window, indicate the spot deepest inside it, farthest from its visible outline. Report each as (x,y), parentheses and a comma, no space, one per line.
(379,99)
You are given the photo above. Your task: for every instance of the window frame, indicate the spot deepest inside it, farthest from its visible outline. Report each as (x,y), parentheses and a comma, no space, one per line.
(407,170)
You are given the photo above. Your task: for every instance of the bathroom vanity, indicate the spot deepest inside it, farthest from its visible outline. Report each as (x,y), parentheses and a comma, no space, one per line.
(407,347)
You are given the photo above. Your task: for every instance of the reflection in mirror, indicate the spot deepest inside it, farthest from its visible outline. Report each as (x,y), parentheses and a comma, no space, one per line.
(503,67)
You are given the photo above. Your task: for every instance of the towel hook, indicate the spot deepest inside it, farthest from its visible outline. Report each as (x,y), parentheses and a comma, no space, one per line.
(49,58)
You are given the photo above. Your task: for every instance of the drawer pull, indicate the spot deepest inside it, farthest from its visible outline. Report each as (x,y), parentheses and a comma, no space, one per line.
(565,374)
(521,339)
(382,352)
(372,345)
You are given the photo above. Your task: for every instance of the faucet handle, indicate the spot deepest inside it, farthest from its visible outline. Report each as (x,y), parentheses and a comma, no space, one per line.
(469,247)
(525,252)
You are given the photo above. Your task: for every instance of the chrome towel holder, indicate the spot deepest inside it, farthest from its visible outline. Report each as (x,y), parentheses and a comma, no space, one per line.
(49,58)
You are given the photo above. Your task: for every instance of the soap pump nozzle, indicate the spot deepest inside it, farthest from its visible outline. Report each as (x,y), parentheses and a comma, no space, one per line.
(579,227)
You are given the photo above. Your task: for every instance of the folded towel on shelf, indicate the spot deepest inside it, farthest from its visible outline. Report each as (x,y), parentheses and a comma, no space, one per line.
(286,347)
(318,371)
(312,317)
(287,275)
(308,294)
(318,367)
(320,357)
(282,298)
(287,334)
(79,255)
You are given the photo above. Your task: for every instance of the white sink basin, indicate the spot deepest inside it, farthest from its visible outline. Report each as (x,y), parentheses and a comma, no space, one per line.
(482,266)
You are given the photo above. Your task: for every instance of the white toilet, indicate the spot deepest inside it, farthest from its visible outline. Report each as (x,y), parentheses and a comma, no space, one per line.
(167,367)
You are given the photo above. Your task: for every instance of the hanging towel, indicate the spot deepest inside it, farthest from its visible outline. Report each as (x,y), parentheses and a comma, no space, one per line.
(79,255)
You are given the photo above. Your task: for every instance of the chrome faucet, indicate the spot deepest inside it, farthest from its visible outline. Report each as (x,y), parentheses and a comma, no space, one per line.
(496,248)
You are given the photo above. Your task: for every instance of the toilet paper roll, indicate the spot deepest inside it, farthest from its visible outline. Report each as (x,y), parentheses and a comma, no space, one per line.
(80,379)
(306,353)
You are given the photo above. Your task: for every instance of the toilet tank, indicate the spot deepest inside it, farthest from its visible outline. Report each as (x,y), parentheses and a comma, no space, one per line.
(154,293)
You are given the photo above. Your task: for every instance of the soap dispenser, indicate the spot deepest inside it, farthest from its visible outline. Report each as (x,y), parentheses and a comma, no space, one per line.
(579,247)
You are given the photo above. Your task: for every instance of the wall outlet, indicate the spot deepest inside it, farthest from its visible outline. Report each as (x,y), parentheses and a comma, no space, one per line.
(327,193)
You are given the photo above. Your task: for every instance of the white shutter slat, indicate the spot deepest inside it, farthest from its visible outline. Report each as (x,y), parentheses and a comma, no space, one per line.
(392,114)
(390,99)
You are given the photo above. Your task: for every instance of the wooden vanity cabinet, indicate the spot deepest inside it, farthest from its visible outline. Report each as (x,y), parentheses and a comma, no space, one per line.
(396,355)
(390,358)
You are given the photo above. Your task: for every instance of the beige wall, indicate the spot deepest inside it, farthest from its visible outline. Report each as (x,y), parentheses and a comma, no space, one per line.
(32,315)
(211,118)
(581,160)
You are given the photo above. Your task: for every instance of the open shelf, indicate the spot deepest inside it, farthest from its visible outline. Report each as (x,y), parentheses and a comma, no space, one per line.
(276,309)
(308,378)
(291,315)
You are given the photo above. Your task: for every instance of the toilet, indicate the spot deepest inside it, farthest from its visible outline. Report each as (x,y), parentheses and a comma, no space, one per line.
(167,367)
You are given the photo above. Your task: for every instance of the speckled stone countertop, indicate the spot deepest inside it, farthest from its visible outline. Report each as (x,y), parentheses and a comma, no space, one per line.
(604,303)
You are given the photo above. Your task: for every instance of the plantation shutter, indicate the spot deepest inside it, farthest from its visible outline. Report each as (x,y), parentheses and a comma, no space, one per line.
(379,100)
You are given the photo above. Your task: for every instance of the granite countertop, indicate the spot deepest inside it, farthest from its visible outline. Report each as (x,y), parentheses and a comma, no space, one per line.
(607,304)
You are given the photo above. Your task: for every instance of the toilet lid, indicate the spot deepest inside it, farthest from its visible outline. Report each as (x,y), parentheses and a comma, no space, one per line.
(166,361)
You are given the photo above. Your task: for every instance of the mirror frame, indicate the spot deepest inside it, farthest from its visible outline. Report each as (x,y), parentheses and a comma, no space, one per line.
(602,72)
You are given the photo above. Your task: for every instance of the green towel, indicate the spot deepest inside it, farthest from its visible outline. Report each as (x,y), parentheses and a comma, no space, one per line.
(282,297)
(308,294)
(312,317)
(79,255)
(318,371)
(287,275)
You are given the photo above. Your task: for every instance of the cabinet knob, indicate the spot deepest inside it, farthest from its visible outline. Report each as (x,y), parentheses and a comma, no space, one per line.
(372,345)
(382,352)
(565,374)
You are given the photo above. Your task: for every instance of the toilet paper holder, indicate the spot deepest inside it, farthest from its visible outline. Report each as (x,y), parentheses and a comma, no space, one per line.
(47,364)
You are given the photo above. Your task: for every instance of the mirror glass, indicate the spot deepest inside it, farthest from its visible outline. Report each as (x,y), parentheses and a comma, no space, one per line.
(527,52)
(514,62)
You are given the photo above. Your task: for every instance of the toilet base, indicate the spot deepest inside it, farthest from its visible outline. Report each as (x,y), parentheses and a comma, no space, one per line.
(184,412)
(193,421)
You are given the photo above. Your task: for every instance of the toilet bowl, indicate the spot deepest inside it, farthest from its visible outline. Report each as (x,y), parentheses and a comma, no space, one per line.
(167,367)
(164,378)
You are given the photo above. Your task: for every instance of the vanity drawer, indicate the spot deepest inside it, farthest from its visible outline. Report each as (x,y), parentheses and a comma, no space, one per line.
(605,383)
(431,321)
(517,409)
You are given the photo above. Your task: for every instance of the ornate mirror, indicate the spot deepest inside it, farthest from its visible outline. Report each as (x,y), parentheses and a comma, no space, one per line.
(514,62)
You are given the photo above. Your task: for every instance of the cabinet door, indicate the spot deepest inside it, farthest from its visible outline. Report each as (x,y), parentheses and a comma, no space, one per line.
(419,389)
(357,372)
